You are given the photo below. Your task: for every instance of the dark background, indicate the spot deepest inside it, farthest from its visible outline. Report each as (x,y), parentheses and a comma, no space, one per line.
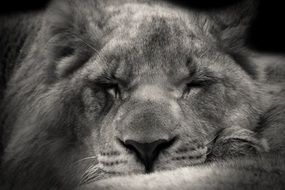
(266,34)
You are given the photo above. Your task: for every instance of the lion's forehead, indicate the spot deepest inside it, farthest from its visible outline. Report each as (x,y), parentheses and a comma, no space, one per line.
(139,11)
(156,27)
(150,41)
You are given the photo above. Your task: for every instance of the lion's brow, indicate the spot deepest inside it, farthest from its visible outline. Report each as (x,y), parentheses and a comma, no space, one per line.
(200,73)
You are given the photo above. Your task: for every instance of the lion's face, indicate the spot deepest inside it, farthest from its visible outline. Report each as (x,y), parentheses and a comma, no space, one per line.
(159,91)
(154,96)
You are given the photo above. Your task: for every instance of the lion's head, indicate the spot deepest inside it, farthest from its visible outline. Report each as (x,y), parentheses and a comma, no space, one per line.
(111,88)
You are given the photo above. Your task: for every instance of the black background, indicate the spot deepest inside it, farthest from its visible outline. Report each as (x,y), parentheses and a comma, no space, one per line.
(266,33)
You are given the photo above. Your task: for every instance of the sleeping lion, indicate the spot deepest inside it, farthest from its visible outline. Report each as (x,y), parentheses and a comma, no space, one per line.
(138,94)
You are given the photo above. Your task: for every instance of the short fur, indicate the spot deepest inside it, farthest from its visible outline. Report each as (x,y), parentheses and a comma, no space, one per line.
(92,74)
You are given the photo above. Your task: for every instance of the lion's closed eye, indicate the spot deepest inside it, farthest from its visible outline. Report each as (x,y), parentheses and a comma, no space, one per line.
(113,89)
(195,84)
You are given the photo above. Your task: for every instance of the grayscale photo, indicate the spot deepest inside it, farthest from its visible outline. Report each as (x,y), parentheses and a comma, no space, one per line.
(142,95)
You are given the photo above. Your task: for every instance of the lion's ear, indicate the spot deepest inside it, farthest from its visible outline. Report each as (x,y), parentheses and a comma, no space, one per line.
(231,24)
(74,31)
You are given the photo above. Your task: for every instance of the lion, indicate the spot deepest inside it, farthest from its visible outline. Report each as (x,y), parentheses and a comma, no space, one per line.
(137,94)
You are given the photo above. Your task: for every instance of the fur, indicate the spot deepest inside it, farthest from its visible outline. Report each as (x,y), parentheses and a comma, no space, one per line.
(91,75)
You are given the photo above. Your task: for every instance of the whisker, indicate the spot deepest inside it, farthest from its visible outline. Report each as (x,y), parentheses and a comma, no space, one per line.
(86,43)
(95,173)
(210,141)
(208,152)
(90,46)
(52,39)
(87,158)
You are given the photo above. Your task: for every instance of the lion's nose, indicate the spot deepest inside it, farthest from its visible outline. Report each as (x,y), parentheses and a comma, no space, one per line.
(148,152)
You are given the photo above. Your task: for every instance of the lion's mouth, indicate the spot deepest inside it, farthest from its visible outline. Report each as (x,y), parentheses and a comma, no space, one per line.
(96,173)
(118,167)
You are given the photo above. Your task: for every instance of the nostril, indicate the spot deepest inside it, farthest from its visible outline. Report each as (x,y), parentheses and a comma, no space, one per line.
(148,152)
